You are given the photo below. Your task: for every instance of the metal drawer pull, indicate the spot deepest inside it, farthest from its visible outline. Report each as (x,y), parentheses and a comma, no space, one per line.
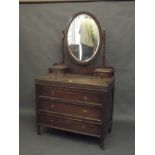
(52,106)
(52,92)
(84,111)
(83,126)
(51,120)
(85,97)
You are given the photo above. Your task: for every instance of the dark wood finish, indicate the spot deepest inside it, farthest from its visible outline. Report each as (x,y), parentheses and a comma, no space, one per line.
(81,101)
(103,53)
(77,103)
(105,72)
(70,124)
(73,109)
(63,46)
(69,94)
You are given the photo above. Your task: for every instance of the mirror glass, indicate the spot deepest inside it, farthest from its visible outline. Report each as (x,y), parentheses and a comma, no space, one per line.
(83,38)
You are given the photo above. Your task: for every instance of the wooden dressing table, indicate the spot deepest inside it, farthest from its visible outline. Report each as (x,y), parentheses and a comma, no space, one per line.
(76,98)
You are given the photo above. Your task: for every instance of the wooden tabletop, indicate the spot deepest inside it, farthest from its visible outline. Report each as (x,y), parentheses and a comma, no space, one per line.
(77,80)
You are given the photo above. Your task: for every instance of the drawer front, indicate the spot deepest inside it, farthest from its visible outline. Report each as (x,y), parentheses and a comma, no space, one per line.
(69,124)
(71,109)
(69,94)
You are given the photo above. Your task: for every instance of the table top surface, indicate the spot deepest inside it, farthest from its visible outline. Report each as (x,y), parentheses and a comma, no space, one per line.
(77,79)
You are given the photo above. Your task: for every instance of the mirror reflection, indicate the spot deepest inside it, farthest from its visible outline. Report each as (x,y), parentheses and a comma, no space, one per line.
(83,37)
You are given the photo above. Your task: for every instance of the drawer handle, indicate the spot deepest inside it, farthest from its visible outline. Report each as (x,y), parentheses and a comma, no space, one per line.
(83,127)
(85,97)
(84,111)
(52,106)
(52,121)
(52,93)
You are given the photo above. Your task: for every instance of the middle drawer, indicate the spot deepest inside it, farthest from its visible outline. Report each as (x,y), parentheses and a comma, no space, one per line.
(48,105)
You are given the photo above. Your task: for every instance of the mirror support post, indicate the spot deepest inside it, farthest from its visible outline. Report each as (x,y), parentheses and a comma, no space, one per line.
(103,54)
(62,47)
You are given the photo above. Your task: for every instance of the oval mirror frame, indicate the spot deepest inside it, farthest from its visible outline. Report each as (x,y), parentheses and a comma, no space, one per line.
(97,50)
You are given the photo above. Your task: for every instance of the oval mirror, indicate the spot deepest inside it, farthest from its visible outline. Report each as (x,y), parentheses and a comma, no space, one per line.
(83,37)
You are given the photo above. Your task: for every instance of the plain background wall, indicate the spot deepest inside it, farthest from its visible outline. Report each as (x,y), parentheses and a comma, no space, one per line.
(40,46)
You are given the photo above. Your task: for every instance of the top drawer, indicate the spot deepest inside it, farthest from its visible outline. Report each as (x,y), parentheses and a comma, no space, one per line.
(69,94)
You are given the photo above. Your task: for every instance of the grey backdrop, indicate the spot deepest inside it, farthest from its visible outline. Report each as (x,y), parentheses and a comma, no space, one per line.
(40,47)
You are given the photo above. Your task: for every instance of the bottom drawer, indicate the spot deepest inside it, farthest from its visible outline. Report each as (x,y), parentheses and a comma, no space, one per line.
(70,124)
